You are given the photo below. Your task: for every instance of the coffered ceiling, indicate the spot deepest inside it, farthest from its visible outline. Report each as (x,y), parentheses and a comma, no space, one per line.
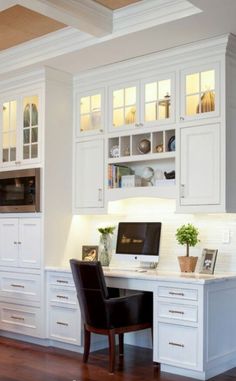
(116,4)
(19,24)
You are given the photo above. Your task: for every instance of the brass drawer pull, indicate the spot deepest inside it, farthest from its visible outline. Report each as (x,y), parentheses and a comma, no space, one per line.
(17,285)
(176,344)
(61,323)
(17,318)
(176,293)
(176,312)
(62,297)
(62,281)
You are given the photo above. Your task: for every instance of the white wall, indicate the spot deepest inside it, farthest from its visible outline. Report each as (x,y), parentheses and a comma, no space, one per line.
(211,227)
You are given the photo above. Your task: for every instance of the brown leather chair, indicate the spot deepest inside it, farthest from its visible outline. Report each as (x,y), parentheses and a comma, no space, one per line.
(105,314)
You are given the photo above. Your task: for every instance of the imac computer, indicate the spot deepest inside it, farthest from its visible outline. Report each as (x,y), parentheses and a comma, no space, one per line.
(137,244)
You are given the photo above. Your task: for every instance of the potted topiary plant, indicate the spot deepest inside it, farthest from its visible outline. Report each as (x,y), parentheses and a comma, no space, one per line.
(187,235)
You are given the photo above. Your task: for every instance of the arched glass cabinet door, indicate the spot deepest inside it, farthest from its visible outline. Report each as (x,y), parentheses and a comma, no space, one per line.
(9,132)
(30,148)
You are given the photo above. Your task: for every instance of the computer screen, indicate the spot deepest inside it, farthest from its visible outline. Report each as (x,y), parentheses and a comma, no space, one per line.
(138,238)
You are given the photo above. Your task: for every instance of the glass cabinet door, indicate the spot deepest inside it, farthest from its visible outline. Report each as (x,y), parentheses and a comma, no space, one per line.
(124,110)
(200,94)
(9,131)
(157,100)
(90,120)
(30,127)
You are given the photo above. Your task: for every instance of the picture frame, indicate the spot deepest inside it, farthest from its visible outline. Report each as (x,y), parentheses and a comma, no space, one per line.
(89,253)
(208,261)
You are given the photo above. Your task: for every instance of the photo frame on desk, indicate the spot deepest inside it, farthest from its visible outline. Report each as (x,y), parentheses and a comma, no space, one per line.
(90,253)
(208,261)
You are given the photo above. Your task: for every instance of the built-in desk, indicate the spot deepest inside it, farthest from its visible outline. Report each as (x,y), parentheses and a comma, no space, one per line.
(194,319)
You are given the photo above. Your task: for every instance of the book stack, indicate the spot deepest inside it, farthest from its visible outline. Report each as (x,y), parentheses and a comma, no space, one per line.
(115,173)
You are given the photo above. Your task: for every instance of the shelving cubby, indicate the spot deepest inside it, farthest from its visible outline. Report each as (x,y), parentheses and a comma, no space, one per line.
(125,158)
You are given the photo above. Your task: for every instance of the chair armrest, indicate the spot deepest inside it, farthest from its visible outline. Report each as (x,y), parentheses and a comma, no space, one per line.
(130,310)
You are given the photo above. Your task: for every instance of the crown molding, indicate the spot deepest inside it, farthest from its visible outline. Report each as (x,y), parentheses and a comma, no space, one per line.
(213,48)
(142,15)
(135,17)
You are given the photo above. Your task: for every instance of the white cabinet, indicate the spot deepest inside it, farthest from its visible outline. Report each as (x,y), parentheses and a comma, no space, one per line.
(177,326)
(20,129)
(90,113)
(193,326)
(20,242)
(142,103)
(200,92)
(200,165)
(89,176)
(64,317)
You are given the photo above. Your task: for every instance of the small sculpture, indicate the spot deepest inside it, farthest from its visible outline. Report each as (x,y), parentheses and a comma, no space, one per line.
(169,175)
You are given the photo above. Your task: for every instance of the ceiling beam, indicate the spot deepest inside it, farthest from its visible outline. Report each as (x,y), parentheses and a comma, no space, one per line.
(85,15)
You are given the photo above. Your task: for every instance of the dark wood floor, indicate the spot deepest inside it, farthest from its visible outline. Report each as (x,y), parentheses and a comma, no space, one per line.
(25,362)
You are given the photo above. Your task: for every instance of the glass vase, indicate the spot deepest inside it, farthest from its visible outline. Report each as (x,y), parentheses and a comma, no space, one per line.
(105,249)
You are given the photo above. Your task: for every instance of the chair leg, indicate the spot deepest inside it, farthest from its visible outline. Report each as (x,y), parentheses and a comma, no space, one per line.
(121,344)
(87,335)
(111,337)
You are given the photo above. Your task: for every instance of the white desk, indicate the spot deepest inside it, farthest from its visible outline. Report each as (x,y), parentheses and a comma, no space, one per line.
(194,319)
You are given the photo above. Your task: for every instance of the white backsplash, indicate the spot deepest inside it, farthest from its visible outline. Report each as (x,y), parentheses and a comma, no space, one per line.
(211,229)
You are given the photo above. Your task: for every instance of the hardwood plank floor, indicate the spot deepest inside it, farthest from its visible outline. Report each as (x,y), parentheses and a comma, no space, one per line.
(21,361)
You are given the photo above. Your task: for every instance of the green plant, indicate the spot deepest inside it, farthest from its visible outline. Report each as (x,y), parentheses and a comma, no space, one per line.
(107,230)
(187,235)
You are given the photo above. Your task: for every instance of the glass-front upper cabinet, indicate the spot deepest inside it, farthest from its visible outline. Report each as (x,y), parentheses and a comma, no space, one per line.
(90,113)
(30,127)
(19,126)
(9,131)
(124,106)
(157,100)
(200,93)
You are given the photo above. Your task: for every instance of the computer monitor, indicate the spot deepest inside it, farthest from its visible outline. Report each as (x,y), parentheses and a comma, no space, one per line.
(138,242)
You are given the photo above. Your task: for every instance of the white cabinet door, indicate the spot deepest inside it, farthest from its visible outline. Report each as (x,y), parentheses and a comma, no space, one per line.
(90,114)
(29,243)
(9,242)
(200,165)
(89,174)
(20,241)
(20,120)
(200,92)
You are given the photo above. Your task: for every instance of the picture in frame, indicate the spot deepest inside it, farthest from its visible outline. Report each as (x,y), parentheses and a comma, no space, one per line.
(208,261)
(90,253)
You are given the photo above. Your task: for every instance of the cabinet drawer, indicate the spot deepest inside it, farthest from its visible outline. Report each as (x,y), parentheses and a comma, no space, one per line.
(177,311)
(60,279)
(20,286)
(65,324)
(23,320)
(177,345)
(61,295)
(177,293)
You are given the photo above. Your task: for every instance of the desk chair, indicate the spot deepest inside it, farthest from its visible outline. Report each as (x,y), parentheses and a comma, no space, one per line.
(106,315)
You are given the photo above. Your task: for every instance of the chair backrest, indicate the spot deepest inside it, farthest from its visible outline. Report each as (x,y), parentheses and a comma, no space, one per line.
(91,292)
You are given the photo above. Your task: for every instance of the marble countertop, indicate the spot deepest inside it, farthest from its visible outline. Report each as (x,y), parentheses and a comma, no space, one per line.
(156,275)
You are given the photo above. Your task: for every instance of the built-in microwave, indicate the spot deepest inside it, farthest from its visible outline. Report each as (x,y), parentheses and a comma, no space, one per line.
(20,191)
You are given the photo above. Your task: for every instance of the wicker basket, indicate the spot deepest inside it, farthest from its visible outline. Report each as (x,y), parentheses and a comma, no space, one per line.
(187,264)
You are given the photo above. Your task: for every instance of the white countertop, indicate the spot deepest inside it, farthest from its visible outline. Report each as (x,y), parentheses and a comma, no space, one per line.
(156,275)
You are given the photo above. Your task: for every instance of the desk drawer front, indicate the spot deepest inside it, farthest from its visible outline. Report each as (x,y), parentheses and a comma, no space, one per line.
(24,320)
(178,311)
(178,293)
(63,296)
(177,345)
(24,287)
(65,325)
(60,279)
